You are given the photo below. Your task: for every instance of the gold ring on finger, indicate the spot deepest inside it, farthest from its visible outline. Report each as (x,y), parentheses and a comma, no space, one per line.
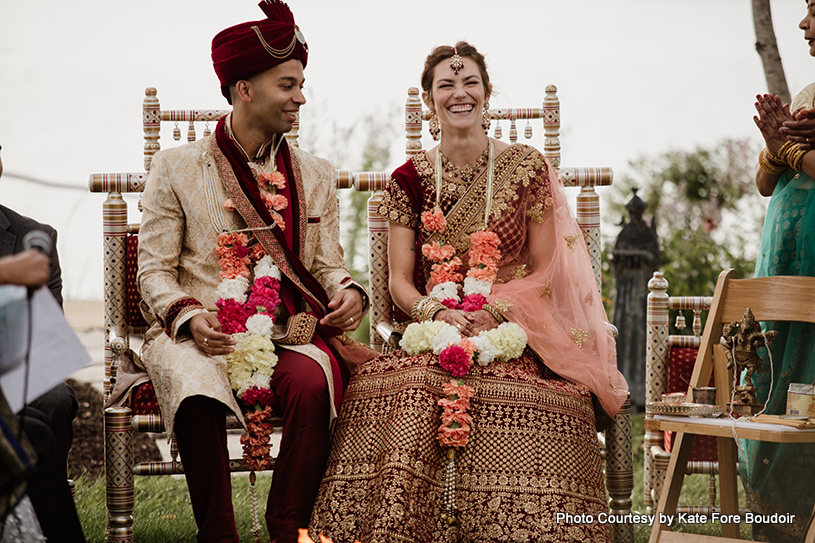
(206,342)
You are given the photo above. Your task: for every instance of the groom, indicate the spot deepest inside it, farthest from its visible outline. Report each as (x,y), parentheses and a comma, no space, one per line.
(196,192)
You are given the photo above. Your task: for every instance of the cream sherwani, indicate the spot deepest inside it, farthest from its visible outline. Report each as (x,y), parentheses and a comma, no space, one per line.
(183,215)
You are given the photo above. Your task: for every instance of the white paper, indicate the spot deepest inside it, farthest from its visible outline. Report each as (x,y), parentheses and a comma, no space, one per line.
(13,325)
(56,353)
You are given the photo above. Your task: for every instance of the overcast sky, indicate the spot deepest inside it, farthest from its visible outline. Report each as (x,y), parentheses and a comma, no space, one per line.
(635,77)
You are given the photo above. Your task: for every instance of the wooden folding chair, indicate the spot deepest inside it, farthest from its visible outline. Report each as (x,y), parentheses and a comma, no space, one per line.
(782,298)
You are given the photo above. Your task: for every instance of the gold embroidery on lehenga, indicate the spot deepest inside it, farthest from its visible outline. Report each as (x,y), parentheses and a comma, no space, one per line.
(502,305)
(396,207)
(465,213)
(589,299)
(579,336)
(547,290)
(571,241)
(610,382)
(519,272)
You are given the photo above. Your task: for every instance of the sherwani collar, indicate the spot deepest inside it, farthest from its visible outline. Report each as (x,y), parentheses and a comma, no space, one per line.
(241,186)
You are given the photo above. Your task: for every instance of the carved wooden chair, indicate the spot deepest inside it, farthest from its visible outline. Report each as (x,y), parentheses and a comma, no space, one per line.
(668,367)
(618,450)
(770,299)
(124,322)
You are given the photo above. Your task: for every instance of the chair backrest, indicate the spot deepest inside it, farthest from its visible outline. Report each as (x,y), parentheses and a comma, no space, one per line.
(663,353)
(779,298)
(587,208)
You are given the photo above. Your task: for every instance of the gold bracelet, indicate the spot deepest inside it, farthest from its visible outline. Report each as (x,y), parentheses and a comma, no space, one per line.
(431,309)
(767,164)
(783,153)
(494,312)
(798,158)
(773,159)
(418,307)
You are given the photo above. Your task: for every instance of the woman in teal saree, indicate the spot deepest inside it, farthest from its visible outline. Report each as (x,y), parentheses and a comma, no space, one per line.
(778,477)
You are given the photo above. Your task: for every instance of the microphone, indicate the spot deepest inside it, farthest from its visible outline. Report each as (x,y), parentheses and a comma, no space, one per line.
(37,239)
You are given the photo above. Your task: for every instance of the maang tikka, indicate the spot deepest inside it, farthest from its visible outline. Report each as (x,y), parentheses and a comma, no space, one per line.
(456,63)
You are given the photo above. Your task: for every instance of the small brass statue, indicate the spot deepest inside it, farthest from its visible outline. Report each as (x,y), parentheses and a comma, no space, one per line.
(741,340)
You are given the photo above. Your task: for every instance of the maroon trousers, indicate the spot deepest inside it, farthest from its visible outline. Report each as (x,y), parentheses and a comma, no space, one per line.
(301,397)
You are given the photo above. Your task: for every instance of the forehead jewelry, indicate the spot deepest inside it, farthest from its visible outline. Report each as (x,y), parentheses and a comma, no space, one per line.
(455,61)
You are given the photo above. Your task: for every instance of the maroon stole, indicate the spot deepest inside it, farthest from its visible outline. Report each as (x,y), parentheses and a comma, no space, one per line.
(297,283)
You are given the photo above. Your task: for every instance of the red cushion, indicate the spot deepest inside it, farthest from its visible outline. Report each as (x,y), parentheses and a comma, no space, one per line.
(133,314)
(680,369)
(143,400)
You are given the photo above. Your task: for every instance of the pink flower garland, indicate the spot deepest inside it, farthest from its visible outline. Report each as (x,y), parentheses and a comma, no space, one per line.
(456,422)
(458,358)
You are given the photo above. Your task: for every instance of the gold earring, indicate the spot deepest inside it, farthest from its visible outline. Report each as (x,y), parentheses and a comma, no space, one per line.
(485,119)
(433,125)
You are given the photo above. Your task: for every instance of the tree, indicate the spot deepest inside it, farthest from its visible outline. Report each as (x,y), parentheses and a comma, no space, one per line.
(768,50)
(707,211)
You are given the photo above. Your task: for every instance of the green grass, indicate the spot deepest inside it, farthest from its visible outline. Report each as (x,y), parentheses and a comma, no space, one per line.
(162,510)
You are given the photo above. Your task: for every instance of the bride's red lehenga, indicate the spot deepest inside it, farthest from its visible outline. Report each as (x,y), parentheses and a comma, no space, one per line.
(533,450)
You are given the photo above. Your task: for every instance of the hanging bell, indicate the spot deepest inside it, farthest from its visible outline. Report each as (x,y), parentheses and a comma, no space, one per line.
(206,130)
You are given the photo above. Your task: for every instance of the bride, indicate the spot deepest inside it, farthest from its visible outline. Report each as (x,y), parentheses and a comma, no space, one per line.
(482,428)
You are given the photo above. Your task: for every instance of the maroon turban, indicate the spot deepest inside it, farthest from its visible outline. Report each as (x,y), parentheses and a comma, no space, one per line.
(244,50)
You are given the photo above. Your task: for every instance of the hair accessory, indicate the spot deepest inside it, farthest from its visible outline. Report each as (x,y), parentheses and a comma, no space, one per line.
(433,125)
(456,63)
(485,119)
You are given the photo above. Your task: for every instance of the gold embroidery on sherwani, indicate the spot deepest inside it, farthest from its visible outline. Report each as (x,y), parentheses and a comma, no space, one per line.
(579,336)
(572,241)
(261,231)
(299,329)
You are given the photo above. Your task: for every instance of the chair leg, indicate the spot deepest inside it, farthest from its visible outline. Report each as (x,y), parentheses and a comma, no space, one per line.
(119,474)
(728,455)
(669,497)
(620,471)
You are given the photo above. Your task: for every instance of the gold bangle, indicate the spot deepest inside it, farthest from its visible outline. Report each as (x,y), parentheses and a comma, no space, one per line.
(431,309)
(767,165)
(784,152)
(418,308)
(798,158)
(494,312)
(773,159)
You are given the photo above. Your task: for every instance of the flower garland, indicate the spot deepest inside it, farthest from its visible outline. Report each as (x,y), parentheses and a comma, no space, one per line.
(246,311)
(457,353)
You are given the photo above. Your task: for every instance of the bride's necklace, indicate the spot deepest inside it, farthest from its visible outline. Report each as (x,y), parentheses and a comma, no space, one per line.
(490,179)
(465,172)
